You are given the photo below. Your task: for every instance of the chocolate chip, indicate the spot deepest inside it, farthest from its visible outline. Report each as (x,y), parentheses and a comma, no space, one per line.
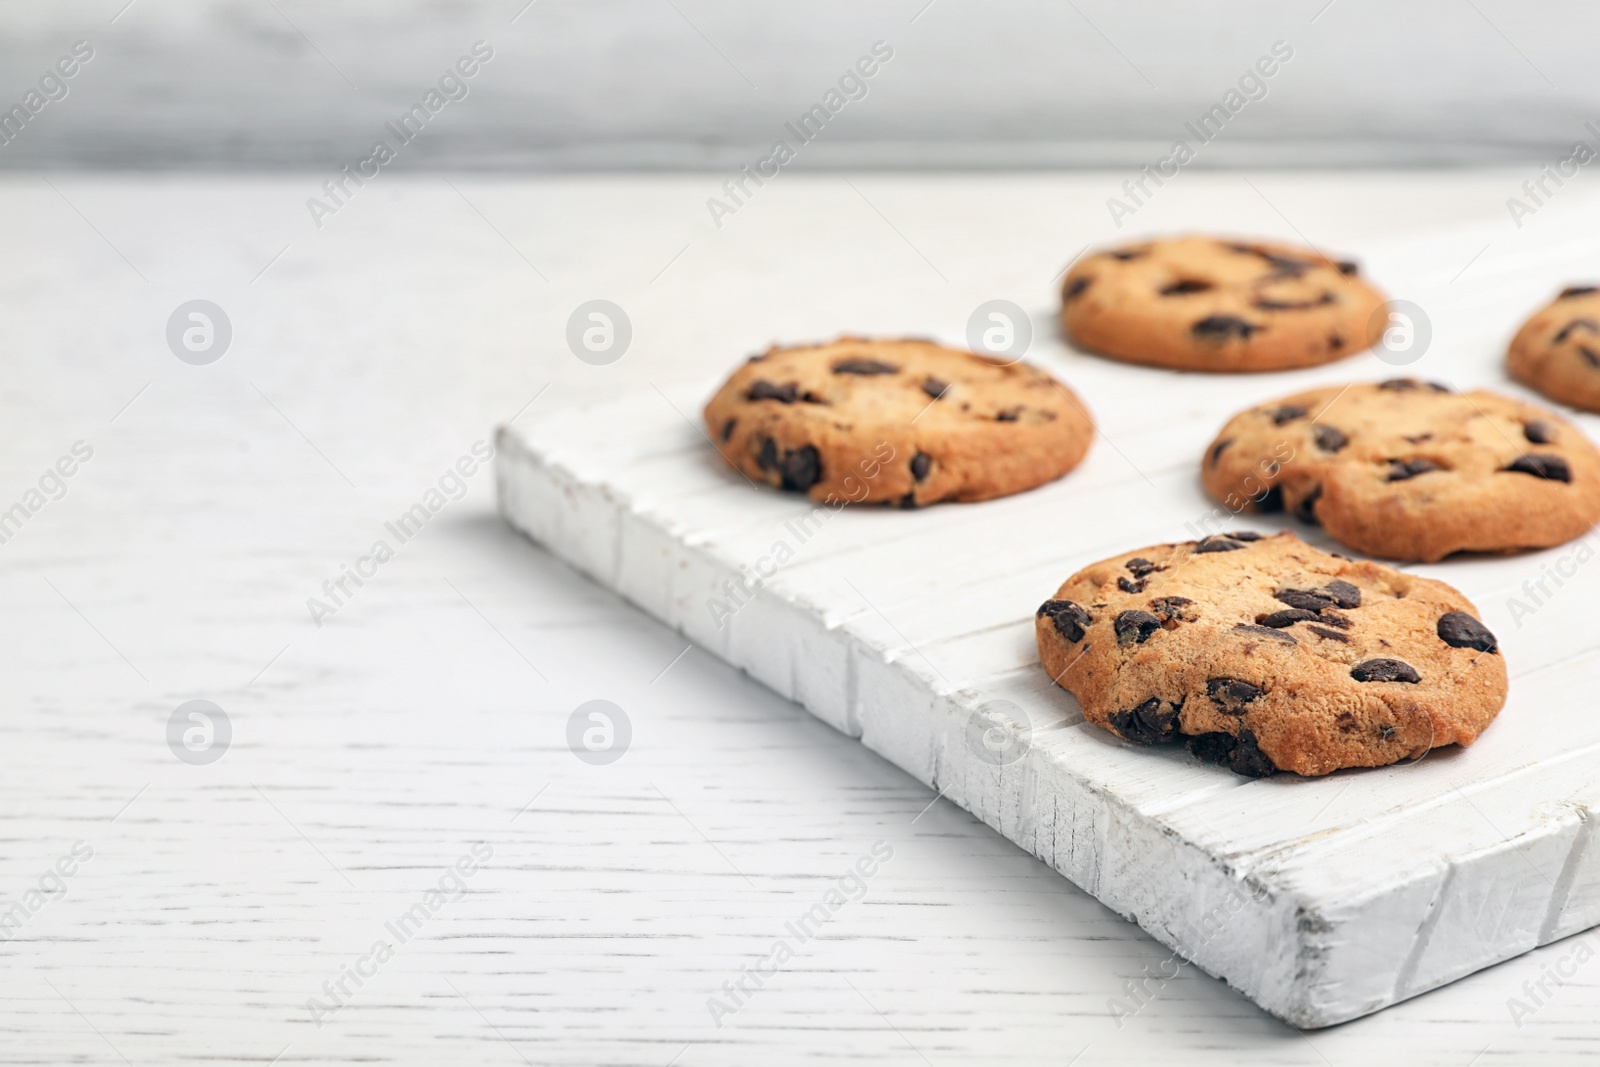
(1242,535)
(1185,286)
(1287,413)
(801,468)
(1335,342)
(1286,617)
(1332,635)
(1552,468)
(1221,328)
(920,464)
(1218,449)
(1575,290)
(1076,287)
(1460,630)
(1270,501)
(1539,432)
(1308,600)
(1399,385)
(1008,415)
(1212,748)
(1217,543)
(1135,627)
(1306,510)
(1401,470)
(786,393)
(1328,438)
(1590,356)
(1346,723)
(1266,304)
(1439,387)
(1128,585)
(1170,608)
(1139,566)
(934,387)
(1386,732)
(1385,670)
(1344,594)
(1283,266)
(727,429)
(864,366)
(1588,325)
(1333,618)
(907,502)
(1348,267)
(1265,631)
(1124,256)
(1069,617)
(1231,694)
(1248,759)
(1241,754)
(768,458)
(1146,724)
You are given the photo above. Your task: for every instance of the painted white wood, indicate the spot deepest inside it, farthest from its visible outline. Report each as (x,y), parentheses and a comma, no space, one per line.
(1321,900)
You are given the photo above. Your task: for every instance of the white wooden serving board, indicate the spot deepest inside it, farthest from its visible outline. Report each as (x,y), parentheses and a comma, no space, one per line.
(1321,900)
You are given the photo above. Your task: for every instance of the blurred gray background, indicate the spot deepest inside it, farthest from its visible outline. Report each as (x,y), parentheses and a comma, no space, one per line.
(695,84)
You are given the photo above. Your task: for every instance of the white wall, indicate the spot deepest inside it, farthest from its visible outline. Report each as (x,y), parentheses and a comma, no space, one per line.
(708,83)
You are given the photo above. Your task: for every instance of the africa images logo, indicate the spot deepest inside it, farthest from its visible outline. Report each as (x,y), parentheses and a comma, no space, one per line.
(852,85)
(452,86)
(53,87)
(1207,127)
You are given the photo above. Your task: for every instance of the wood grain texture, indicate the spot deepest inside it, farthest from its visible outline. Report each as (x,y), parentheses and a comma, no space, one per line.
(914,632)
(905,629)
(381,746)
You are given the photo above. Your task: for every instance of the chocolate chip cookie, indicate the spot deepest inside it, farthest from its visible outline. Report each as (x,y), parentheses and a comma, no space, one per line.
(1557,351)
(1211,304)
(1410,470)
(1264,654)
(896,421)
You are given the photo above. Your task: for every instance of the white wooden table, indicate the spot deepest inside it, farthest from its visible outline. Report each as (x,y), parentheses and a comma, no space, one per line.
(429,713)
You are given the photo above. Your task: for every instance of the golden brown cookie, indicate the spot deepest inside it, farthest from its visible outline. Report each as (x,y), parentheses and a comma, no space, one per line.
(1211,304)
(1268,654)
(905,422)
(1410,470)
(1557,351)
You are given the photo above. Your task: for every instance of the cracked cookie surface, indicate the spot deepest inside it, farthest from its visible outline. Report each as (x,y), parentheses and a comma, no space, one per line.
(1557,351)
(1264,653)
(1214,304)
(903,422)
(1409,470)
